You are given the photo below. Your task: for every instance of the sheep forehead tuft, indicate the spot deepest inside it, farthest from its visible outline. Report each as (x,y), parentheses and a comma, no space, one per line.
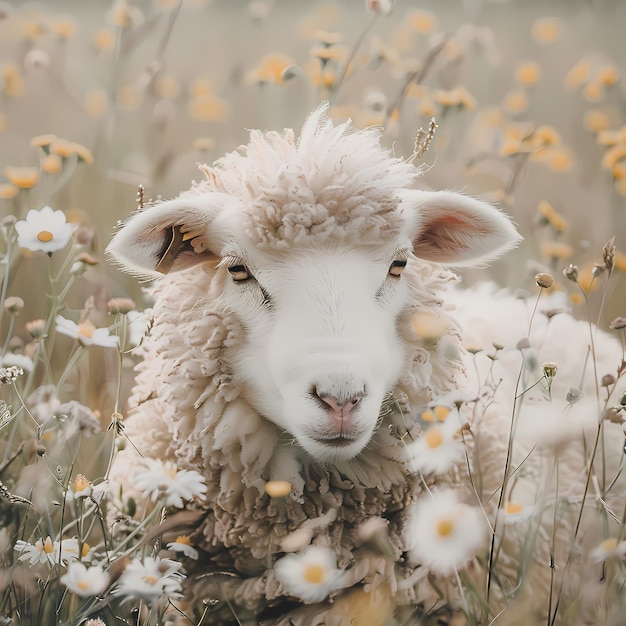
(333,183)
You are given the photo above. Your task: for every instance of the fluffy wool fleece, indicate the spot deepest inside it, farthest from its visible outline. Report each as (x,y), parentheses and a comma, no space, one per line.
(188,408)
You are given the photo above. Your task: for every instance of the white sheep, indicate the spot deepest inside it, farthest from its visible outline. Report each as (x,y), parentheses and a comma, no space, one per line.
(285,347)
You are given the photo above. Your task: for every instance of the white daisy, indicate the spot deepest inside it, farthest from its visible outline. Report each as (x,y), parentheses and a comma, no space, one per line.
(513,512)
(46,230)
(151,580)
(437,449)
(182,545)
(607,549)
(15,359)
(69,551)
(309,575)
(85,581)
(446,533)
(165,479)
(42,552)
(86,333)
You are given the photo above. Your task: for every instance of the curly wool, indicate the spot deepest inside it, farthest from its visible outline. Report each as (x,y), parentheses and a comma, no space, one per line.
(187,407)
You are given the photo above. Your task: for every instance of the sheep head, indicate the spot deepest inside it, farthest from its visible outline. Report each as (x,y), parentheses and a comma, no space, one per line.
(311,239)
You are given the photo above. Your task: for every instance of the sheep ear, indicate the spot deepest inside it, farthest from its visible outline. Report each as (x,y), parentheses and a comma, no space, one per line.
(170,236)
(457,230)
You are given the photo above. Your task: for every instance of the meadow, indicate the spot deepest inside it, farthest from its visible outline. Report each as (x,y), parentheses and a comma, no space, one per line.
(107,106)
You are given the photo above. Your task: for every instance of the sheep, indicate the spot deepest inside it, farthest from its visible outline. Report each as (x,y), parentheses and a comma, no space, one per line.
(285,347)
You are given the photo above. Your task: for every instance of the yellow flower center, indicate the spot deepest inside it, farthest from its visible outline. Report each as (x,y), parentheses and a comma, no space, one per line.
(513,507)
(151,580)
(608,544)
(45,236)
(85,550)
(433,438)
(442,412)
(85,329)
(81,482)
(314,574)
(445,527)
(184,540)
(277,488)
(82,585)
(47,546)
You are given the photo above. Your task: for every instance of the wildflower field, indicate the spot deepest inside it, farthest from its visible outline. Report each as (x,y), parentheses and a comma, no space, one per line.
(108,106)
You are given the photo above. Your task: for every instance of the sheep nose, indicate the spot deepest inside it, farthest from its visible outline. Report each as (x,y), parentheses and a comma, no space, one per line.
(339,408)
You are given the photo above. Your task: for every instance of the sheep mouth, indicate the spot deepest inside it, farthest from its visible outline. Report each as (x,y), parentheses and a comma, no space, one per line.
(340,441)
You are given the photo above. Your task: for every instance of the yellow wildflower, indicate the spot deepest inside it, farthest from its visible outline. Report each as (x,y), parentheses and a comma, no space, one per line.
(22,177)
(8,191)
(608,75)
(459,96)
(578,74)
(596,121)
(63,27)
(96,103)
(104,39)
(271,69)
(422,21)
(612,137)
(51,164)
(326,37)
(556,250)
(207,108)
(547,30)
(528,73)
(613,155)
(546,136)
(129,97)
(593,91)
(427,107)
(330,53)
(42,141)
(200,87)
(13,81)
(167,86)
(516,101)
(559,159)
(550,216)
(619,170)
(32,30)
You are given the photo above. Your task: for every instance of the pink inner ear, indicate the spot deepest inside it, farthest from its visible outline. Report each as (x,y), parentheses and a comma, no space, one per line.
(447,233)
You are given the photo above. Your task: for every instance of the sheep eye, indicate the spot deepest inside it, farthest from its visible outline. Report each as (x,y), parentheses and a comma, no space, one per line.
(395,269)
(239,272)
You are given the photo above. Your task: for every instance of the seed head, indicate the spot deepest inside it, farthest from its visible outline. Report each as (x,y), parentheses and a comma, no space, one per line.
(543,280)
(608,254)
(607,380)
(13,304)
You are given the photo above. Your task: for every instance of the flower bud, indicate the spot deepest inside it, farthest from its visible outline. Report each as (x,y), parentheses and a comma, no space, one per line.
(607,380)
(571,273)
(550,369)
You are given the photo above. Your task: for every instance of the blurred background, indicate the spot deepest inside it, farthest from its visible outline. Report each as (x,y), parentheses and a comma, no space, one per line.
(97,98)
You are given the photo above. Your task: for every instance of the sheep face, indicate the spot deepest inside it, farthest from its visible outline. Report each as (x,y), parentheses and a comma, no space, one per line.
(309,241)
(321,346)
